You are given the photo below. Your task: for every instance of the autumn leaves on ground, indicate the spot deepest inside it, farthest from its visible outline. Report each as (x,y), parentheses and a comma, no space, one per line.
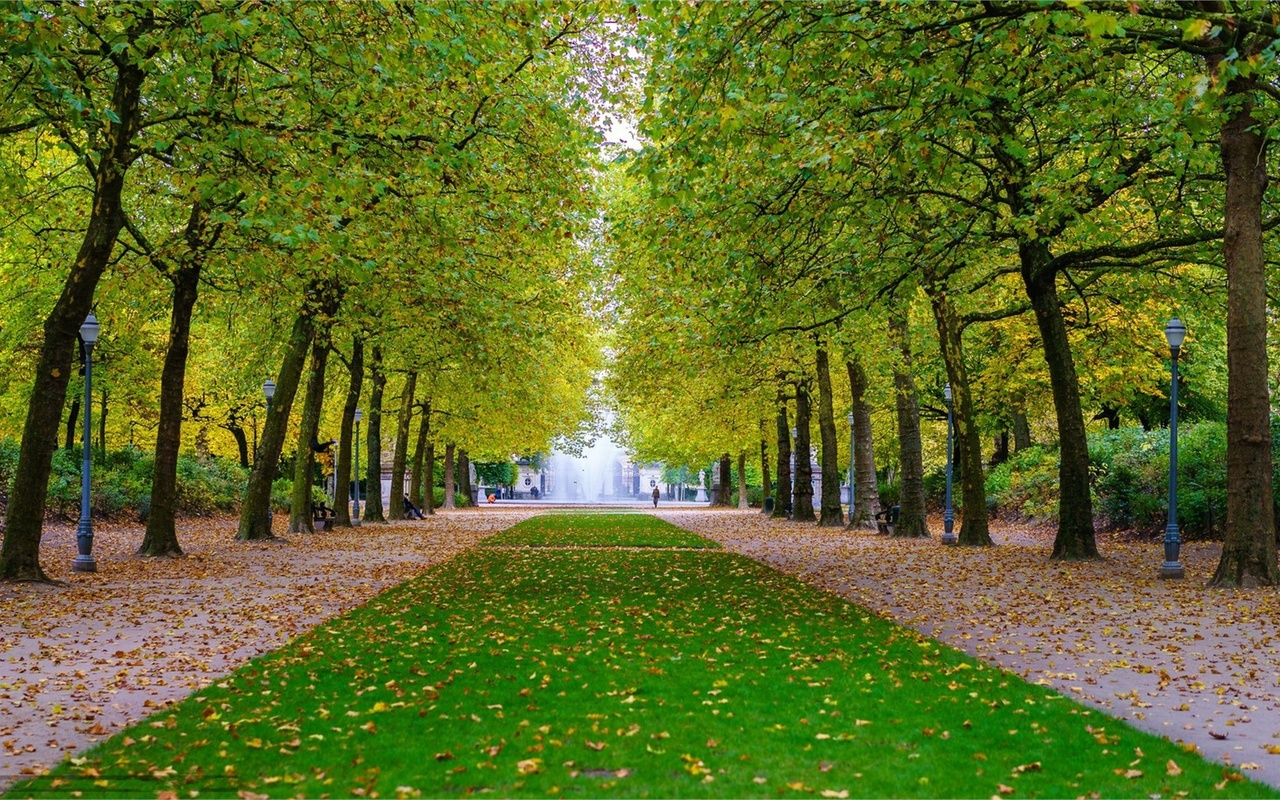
(576,655)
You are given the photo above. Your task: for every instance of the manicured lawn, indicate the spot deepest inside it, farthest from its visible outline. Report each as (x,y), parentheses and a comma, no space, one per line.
(661,673)
(595,529)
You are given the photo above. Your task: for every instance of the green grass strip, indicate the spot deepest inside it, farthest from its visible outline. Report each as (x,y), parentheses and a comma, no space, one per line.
(588,529)
(588,673)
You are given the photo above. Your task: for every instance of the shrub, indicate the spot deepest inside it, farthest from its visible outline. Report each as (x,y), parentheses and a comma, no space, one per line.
(1027,484)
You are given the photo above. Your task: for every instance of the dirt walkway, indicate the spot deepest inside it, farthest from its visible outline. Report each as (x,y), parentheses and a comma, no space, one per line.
(81,661)
(1193,664)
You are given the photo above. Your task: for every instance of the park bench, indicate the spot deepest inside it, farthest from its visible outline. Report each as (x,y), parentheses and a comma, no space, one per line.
(321,516)
(887,519)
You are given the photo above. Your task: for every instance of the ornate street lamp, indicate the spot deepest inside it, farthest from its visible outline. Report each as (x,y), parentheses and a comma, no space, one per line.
(84,534)
(791,501)
(1174,333)
(948,513)
(355,518)
(852,469)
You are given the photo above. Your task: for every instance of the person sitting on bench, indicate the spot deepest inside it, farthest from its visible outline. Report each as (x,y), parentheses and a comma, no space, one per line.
(410,510)
(887,518)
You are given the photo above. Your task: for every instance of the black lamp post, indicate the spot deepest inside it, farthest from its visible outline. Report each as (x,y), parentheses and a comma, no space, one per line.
(948,513)
(1174,333)
(355,518)
(853,466)
(84,534)
(794,480)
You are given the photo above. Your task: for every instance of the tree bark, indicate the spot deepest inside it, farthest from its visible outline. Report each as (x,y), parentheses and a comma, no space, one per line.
(802,495)
(449,501)
(255,521)
(400,459)
(463,477)
(911,520)
(342,468)
(24,518)
(300,514)
(415,474)
(1075,539)
(161,537)
(1249,548)
(743,502)
(766,489)
(1021,431)
(784,460)
(866,493)
(974,525)
(726,479)
(72,420)
(831,514)
(429,497)
(373,441)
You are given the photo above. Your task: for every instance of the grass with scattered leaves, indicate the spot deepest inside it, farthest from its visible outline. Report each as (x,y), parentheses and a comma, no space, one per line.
(596,529)
(662,673)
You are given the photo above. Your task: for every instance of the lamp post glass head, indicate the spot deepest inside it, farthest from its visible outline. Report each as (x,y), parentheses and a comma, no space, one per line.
(269,388)
(946,392)
(850,418)
(1174,333)
(359,415)
(89,329)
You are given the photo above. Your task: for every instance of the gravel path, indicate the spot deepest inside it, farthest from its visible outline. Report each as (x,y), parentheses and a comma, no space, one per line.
(1193,664)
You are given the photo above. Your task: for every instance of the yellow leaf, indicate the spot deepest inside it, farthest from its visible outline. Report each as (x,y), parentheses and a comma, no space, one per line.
(529,766)
(841,795)
(1172,768)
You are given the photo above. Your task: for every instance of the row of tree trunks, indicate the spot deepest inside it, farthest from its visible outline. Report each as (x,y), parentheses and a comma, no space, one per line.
(24,518)
(429,497)
(400,459)
(802,493)
(866,491)
(743,501)
(911,519)
(373,440)
(974,528)
(342,467)
(830,515)
(464,477)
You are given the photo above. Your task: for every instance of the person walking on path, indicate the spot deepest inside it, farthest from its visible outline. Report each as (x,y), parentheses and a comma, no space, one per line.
(656,495)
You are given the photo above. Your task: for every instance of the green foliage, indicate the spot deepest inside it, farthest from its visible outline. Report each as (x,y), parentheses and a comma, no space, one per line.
(1027,484)
(499,473)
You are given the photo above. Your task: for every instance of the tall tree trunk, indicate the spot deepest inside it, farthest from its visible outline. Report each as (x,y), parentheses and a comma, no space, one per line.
(400,459)
(766,488)
(1000,451)
(300,514)
(1249,548)
(415,474)
(1021,430)
(235,426)
(866,491)
(449,501)
(24,518)
(802,495)
(255,521)
(373,441)
(429,497)
(974,527)
(831,514)
(1075,540)
(342,468)
(911,519)
(726,479)
(743,502)
(72,420)
(161,537)
(464,477)
(784,460)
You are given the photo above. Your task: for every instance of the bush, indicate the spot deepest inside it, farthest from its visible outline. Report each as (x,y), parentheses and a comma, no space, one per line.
(1027,484)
